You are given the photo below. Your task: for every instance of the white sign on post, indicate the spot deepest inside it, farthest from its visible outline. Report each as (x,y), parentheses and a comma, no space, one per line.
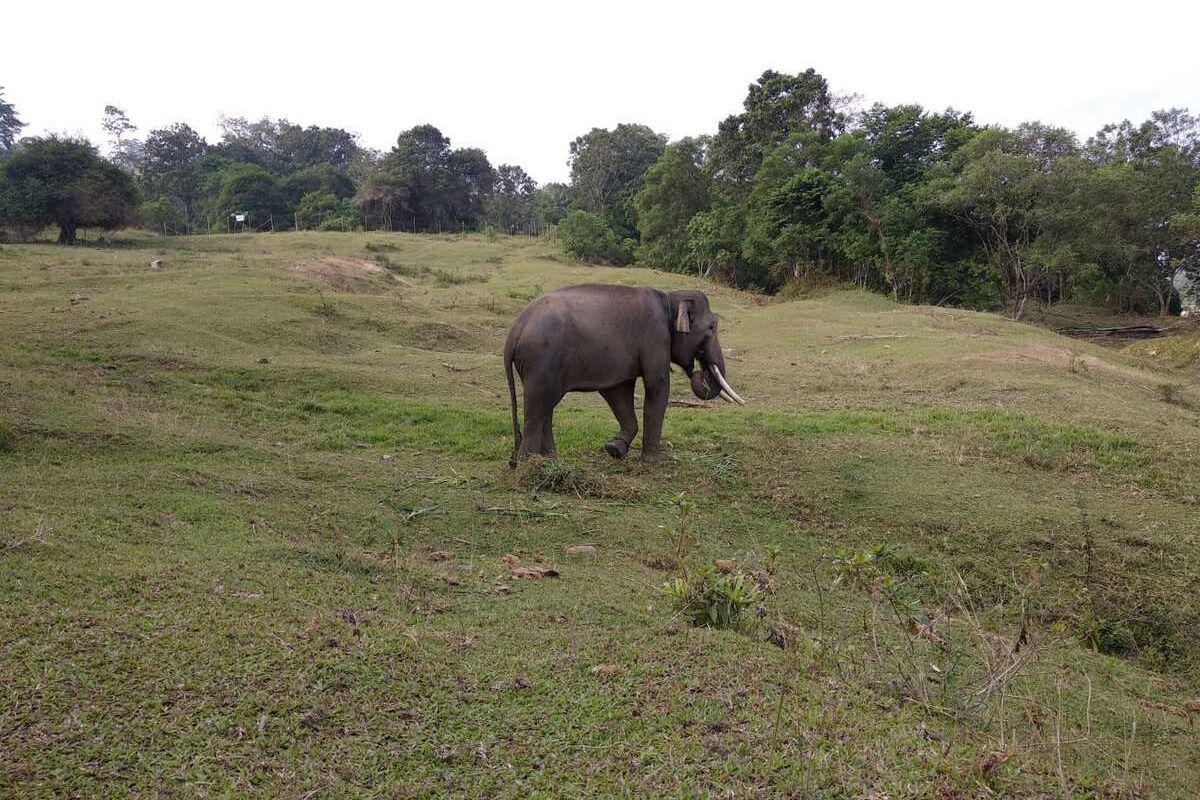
(239,217)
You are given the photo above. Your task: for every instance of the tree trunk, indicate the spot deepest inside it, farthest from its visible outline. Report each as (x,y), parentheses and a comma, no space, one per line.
(66,233)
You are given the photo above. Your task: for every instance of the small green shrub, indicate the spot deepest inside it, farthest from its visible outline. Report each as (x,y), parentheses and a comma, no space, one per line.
(712,600)
(405,270)
(339,223)
(445,277)
(810,285)
(162,216)
(588,238)
(683,535)
(8,437)
(527,295)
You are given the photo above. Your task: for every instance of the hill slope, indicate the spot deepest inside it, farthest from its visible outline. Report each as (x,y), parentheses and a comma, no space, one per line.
(255,516)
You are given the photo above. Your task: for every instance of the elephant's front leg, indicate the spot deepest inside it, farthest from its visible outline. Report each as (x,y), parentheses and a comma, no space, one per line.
(658,389)
(620,400)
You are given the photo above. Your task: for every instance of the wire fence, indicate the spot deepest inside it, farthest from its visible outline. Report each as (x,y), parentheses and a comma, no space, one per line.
(245,222)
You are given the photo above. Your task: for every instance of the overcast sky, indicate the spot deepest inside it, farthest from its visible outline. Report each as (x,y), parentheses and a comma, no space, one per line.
(522,80)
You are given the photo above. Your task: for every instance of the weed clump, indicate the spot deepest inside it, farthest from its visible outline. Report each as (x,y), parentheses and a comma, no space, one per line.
(403,270)
(528,294)
(325,309)
(550,474)
(713,595)
(553,475)
(445,278)
(710,599)
(8,438)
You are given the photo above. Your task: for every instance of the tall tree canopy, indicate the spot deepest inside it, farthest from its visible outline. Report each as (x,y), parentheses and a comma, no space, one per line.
(124,150)
(927,206)
(10,124)
(64,182)
(607,169)
(282,147)
(776,106)
(675,188)
(174,166)
(423,184)
(511,203)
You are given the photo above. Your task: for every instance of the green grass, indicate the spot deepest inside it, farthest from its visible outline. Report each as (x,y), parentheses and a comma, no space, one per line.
(226,486)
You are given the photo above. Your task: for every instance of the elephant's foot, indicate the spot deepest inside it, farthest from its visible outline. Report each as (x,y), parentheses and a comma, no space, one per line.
(526,454)
(655,454)
(617,448)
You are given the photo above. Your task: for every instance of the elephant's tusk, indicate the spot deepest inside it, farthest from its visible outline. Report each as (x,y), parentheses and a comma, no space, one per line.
(725,385)
(725,396)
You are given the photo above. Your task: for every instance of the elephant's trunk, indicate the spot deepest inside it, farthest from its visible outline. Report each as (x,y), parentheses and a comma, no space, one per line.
(704,385)
(708,382)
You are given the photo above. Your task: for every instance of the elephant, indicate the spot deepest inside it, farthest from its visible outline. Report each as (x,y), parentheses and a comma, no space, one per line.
(602,338)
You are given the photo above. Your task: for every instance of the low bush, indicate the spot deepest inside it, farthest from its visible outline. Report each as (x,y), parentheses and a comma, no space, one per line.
(588,237)
(710,599)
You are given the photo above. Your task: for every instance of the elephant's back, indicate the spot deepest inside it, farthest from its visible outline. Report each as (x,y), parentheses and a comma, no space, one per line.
(586,301)
(588,323)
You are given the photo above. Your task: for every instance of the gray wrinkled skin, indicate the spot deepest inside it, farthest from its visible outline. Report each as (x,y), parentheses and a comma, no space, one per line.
(602,338)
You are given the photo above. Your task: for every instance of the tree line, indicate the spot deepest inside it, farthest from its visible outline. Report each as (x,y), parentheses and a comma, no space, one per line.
(797,187)
(929,207)
(260,174)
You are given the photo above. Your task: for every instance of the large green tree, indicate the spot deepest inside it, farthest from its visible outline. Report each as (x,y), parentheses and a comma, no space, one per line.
(281,147)
(64,182)
(325,178)
(174,167)
(510,206)
(675,188)
(422,184)
(1138,196)
(777,106)
(995,193)
(124,149)
(607,169)
(551,203)
(250,189)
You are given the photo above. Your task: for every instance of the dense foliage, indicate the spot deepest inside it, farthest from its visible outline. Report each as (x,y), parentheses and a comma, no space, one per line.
(10,124)
(63,182)
(276,175)
(929,207)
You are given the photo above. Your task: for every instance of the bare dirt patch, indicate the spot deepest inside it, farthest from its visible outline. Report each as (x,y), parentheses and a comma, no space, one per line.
(349,275)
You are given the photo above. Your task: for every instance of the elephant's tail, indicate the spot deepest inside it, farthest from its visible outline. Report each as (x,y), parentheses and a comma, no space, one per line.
(512,400)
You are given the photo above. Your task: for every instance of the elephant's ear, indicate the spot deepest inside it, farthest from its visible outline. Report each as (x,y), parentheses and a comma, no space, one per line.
(683,319)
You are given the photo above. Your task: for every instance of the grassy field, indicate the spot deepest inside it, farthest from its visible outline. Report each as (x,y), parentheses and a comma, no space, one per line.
(258,538)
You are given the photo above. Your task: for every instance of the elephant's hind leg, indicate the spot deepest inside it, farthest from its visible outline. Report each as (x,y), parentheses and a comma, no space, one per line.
(620,400)
(540,400)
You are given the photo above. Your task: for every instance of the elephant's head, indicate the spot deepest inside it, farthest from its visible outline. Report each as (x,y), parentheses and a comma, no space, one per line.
(694,337)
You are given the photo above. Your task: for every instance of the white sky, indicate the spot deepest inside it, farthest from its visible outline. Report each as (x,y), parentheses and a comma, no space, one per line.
(521,80)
